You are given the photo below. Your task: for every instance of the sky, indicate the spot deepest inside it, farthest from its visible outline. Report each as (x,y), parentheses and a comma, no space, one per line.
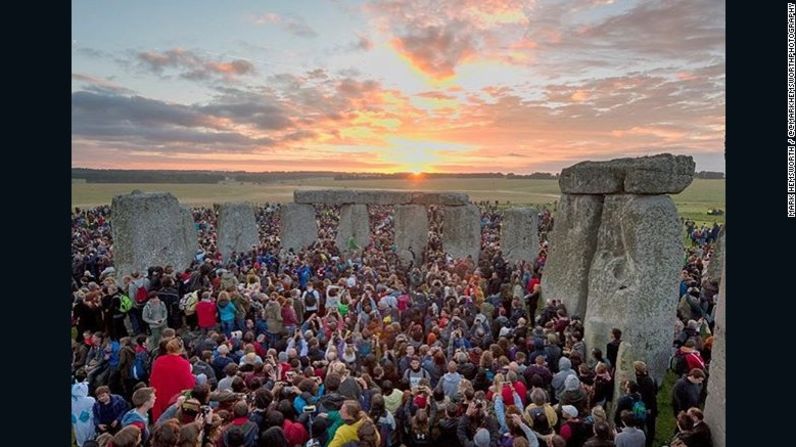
(515,86)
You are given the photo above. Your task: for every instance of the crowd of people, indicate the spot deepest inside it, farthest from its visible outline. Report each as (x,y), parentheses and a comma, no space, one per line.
(325,348)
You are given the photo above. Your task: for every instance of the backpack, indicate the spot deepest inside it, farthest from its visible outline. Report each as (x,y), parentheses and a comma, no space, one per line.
(677,363)
(125,303)
(640,410)
(138,370)
(141,295)
(188,303)
(310,300)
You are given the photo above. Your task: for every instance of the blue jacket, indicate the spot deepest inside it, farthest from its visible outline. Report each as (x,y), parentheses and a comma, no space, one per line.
(112,411)
(227,313)
(133,418)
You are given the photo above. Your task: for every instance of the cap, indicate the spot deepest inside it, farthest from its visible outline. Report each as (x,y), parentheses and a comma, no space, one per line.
(570,411)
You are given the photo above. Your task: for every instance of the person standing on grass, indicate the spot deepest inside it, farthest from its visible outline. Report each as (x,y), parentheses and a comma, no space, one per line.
(687,390)
(155,315)
(649,395)
(631,435)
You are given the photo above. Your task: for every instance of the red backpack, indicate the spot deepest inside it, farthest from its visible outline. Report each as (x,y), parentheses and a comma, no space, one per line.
(141,295)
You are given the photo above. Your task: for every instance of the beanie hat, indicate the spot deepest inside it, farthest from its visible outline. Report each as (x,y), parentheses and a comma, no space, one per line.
(481,438)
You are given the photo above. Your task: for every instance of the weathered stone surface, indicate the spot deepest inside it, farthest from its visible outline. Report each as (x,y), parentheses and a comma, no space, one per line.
(237,228)
(325,196)
(378,197)
(411,232)
(299,229)
(354,223)
(657,174)
(151,229)
(572,244)
(440,198)
(624,372)
(715,405)
(461,231)
(717,258)
(519,235)
(634,277)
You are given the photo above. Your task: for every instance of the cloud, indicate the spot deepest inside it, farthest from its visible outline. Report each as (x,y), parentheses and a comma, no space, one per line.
(192,66)
(292,23)
(436,50)
(100,85)
(363,43)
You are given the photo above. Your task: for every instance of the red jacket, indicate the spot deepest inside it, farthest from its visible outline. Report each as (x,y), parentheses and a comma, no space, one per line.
(171,374)
(206,313)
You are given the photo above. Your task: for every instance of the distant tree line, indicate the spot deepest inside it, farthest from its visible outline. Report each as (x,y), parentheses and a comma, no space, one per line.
(710,175)
(439,175)
(153,176)
(156,176)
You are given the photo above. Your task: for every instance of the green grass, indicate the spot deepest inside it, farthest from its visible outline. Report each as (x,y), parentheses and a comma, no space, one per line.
(693,203)
(665,424)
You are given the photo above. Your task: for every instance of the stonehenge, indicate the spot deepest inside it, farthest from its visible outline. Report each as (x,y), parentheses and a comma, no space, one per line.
(461,231)
(354,227)
(237,228)
(151,229)
(411,232)
(616,252)
(519,235)
(715,405)
(299,227)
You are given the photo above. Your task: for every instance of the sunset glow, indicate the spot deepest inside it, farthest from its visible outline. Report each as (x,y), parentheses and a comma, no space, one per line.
(395,86)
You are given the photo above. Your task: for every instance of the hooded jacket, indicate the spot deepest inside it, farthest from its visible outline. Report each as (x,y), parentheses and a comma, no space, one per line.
(154,313)
(82,414)
(132,417)
(574,395)
(331,402)
(450,383)
(112,411)
(564,371)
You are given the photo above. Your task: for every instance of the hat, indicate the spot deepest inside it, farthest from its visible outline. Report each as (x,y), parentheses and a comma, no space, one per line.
(570,411)
(571,383)
(191,405)
(481,438)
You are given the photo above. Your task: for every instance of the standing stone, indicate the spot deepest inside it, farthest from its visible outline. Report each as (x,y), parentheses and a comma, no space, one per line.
(572,245)
(717,258)
(299,229)
(411,232)
(634,277)
(151,229)
(354,223)
(715,405)
(237,228)
(623,372)
(461,231)
(519,235)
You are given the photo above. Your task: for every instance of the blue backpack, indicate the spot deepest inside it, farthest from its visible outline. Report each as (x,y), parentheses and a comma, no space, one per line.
(138,369)
(640,411)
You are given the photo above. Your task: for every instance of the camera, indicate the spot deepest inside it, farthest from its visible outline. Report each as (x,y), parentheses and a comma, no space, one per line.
(205,409)
(309,408)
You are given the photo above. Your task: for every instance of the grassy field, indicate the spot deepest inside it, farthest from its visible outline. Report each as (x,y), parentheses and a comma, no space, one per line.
(692,203)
